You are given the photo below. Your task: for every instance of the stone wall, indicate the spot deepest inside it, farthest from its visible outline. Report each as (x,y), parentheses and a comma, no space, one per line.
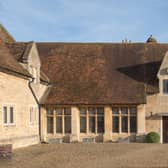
(155,104)
(15,92)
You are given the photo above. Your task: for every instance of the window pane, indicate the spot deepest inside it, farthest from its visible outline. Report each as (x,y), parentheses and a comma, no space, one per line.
(115,124)
(92,111)
(49,124)
(100,111)
(59,124)
(92,124)
(133,111)
(59,111)
(124,110)
(133,124)
(49,112)
(11,115)
(67,124)
(165,86)
(67,111)
(5,115)
(82,111)
(124,124)
(83,124)
(100,124)
(115,110)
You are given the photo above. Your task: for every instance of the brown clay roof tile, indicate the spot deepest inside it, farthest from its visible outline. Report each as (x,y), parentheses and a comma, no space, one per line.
(9,63)
(104,73)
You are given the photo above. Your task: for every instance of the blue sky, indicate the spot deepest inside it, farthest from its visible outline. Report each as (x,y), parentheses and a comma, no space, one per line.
(85,20)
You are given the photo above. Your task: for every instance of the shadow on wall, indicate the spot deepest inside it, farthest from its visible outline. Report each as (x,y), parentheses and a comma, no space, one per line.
(152,117)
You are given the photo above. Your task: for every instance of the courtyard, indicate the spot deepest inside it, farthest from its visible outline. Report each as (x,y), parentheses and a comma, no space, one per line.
(105,155)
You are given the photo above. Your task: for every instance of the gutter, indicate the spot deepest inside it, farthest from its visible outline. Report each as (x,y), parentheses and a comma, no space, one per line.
(9,71)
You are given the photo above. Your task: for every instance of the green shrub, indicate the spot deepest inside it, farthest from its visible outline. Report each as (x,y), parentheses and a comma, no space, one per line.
(152,137)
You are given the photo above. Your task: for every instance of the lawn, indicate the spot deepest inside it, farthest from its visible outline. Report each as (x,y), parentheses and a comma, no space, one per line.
(89,156)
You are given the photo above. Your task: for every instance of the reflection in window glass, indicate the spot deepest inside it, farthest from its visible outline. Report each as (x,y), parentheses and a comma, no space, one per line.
(59,124)
(124,124)
(83,124)
(165,86)
(5,115)
(91,124)
(49,124)
(67,124)
(115,124)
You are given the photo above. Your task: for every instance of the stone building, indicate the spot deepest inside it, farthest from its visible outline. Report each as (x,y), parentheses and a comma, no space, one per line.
(82,92)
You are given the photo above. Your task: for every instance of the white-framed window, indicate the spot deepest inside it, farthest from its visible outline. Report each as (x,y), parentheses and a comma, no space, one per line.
(33,115)
(8,115)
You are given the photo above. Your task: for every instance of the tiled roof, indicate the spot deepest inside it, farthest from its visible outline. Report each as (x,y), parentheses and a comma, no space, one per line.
(102,73)
(20,51)
(17,50)
(9,63)
(97,73)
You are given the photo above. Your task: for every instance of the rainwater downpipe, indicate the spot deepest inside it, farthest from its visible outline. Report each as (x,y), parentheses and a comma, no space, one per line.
(34,95)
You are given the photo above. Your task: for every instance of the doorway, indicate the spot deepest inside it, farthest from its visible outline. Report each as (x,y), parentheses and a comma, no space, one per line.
(165,129)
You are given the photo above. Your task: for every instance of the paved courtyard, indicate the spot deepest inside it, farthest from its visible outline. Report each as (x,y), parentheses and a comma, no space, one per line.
(89,156)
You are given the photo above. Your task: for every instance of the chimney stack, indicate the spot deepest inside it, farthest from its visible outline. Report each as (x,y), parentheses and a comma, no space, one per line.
(126,41)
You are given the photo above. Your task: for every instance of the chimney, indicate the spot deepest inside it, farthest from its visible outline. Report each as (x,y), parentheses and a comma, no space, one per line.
(125,41)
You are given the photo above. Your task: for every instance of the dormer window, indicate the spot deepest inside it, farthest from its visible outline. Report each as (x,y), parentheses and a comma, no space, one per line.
(35,73)
(165,86)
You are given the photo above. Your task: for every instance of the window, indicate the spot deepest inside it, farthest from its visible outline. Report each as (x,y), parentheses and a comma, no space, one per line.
(33,115)
(133,120)
(92,112)
(59,124)
(8,115)
(124,119)
(83,117)
(100,120)
(115,121)
(67,120)
(93,119)
(11,115)
(59,120)
(5,114)
(165,86)
(50,125)
(50,121)
(59,114)
(35,73)
(63,120)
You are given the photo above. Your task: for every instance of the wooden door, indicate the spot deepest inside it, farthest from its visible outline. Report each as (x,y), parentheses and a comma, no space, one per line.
(165,129)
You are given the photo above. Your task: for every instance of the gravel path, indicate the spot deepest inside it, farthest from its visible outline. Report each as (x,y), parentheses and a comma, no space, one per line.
(89,156)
